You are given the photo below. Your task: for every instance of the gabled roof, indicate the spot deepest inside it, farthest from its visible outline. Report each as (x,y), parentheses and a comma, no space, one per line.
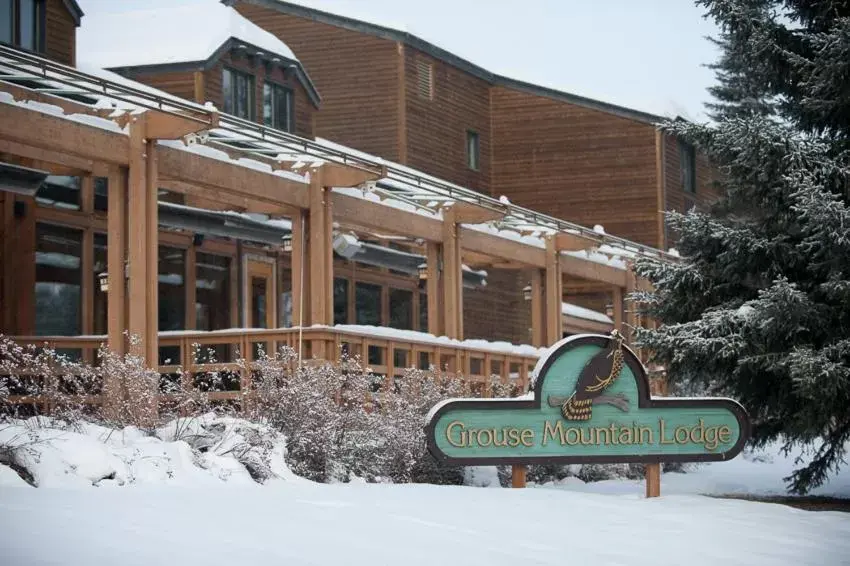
(74,9)
(394,34)
(180,37)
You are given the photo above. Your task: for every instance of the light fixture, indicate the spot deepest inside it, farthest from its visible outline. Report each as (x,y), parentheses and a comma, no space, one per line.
(103,277)
(287,243)
(609,310)
(526,292)
(423,271)
(197,239)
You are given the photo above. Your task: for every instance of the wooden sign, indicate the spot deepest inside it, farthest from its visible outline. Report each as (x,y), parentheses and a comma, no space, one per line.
(591,404)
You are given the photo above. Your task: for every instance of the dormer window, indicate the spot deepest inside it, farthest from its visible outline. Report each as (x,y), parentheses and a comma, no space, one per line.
(22,23)
(277,107)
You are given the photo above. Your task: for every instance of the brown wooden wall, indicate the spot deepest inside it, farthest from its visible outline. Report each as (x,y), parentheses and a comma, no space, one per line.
(575,163)
(181,83)
(675,196)
(357,76)
(61,33)
(499,310)
(437,127)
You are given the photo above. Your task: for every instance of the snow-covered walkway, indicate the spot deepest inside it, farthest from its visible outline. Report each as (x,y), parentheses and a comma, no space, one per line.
(304,524)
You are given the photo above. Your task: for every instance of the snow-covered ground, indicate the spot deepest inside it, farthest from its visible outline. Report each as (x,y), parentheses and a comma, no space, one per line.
(159,501)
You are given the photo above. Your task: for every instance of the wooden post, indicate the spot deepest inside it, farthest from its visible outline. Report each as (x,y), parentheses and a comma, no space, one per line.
(631,314)
(152,253)
(137,246)
(190,288)
(554,293)
(518,472)
(299,272)
(617,302)
(319,248)
(538,314)
(435,316)
(117,243)
(452,277)
(653,480)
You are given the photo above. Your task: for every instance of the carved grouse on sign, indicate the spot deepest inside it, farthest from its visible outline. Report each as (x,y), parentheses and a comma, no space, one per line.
(598,374)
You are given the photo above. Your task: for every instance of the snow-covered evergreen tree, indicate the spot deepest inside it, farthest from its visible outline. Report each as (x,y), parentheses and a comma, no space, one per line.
(759,308)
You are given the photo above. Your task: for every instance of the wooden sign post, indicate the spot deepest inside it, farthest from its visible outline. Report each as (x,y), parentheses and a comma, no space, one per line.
(590,404)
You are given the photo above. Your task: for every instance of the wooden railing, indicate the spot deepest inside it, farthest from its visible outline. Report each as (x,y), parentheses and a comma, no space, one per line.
(195,354)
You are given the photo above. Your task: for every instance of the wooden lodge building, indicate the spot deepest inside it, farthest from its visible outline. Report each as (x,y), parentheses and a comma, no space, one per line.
(227,187)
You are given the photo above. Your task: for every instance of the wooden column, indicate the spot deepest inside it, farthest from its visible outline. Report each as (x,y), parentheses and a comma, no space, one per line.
(452,277)
(653,480)
(538,313)
(433,282)
(321,252)
(631,314)
(116,246)
(518,472)
(137,247)
(199,87)
(554,293)
(88,280)
(190,288)
(299,271)
(152,253)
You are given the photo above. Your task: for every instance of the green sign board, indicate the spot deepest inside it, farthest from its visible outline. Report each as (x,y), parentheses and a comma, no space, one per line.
(590,404)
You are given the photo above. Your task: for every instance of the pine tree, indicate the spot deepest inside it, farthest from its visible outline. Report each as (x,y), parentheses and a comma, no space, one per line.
(759,307)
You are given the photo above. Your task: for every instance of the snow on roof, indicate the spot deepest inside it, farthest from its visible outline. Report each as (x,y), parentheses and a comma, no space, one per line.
(180,33)
(576,311)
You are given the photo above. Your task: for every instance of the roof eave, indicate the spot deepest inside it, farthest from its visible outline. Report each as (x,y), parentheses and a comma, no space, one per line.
(75,11)
(452,59)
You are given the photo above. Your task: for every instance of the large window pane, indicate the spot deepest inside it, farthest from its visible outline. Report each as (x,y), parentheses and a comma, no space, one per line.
(100,298)
(277,107)
(285,308)
(227,90)
(101,193)
(268,106)
(172,288)
(368,304)
(6,21)
(212,292)
(60,192)
(58,279)
(423,312)
(401,309)
(340,301)
(28,19)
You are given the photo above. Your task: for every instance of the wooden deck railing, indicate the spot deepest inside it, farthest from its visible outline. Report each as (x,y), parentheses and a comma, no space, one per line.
(189,354)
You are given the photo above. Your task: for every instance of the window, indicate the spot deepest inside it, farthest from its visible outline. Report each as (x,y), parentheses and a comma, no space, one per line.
(172,288)
(472,150)
(100,298)
(401,309)
(277,107)
(687,162)
(340,300)
(58,281)
(22,23)
(367,299)
(238,91)
(425,80)
(212,291)
(60,192)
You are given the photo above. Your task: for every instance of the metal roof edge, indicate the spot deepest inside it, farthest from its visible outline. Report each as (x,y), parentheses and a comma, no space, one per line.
(75,11)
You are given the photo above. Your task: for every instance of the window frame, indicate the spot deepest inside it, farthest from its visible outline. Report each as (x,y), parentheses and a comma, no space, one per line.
(39,24)
(290,111)
(473,164)
(251,92)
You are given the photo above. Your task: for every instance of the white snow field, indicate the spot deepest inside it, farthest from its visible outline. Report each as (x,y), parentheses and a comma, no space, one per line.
(158,501)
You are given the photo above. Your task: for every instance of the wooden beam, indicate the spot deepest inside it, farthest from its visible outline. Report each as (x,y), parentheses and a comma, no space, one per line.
(565,242)
(162,126)
(592,271)
(502,248)
(469,213)
(370,215)
(617,302)
(335,175)
(68,106)
(61,135)
(554,294)
(433,283)
(56,163)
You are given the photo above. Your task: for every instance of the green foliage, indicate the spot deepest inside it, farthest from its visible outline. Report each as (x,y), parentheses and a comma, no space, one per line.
(759,308)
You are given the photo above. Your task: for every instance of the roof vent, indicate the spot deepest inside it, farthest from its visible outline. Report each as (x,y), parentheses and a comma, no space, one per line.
(425,79)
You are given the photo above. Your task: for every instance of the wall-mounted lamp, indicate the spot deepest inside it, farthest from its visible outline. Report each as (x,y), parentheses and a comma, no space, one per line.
(423,271)
(526,292)
(103,278)
(609,310)
(287,243)
(197,240)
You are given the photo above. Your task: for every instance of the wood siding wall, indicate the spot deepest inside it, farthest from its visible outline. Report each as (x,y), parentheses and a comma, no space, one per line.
(499,310)
(61,33)
(436,129)
(180,83)
(575,163)
(675,196)
(356,74)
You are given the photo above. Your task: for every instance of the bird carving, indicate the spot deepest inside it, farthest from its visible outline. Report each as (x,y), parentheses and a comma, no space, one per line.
(598,374)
